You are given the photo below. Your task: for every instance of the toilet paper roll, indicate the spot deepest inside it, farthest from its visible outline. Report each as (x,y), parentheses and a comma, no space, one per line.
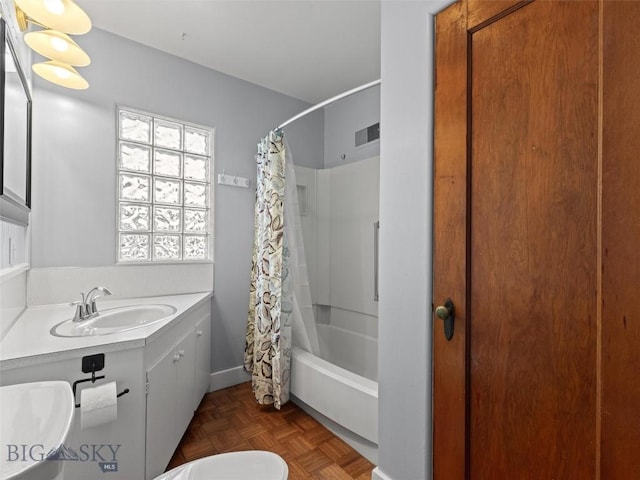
(98,405)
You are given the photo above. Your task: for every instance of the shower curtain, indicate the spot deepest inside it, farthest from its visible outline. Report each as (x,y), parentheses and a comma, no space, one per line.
(279,295)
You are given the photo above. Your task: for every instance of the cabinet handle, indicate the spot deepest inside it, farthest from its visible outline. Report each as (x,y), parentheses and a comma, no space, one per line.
(199,333)
(176,357)
(181,353)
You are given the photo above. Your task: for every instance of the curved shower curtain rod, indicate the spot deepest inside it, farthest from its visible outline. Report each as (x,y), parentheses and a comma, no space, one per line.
(329,101)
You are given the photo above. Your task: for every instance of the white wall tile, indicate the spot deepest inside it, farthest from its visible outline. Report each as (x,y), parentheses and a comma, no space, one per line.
(13,298)
(47,286)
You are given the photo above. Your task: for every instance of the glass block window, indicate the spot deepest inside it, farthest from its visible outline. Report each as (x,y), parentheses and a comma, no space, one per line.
(164,189)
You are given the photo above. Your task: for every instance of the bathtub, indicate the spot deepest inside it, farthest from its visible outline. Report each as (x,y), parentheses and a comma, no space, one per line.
(348,399)
(351,350)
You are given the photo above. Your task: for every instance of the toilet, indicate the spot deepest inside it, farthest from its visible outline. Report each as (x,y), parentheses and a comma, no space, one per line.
(246,465)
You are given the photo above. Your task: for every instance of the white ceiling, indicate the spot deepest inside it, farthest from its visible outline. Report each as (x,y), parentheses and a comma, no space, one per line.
(308,49)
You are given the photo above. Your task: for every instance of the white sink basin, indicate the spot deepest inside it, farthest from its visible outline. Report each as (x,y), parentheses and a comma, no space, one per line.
(37,415)
(114,320)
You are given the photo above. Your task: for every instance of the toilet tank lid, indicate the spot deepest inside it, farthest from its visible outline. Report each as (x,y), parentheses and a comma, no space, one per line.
(245,465)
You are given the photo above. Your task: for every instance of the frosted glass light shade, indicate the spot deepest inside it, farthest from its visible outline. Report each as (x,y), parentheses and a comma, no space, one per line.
(61,74)
(57,46)
(63,15)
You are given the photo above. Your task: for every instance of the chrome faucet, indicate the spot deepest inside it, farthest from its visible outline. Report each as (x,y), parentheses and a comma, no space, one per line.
(90,301)
(86,308)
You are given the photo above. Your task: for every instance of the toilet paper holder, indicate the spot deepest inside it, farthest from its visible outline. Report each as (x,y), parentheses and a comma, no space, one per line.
(92,363)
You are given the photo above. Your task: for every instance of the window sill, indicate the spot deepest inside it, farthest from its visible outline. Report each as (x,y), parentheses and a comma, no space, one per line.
(176,262)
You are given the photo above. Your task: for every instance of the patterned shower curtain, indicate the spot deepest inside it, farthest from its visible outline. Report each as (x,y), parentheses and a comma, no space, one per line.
(267,351)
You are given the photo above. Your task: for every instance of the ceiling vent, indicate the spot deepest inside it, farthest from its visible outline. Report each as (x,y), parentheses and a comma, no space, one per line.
(368,135)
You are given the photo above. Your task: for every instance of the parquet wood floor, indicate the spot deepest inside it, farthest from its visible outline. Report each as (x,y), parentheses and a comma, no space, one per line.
(230,420)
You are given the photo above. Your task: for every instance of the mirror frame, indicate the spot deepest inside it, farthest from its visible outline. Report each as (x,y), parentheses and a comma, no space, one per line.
(13,208)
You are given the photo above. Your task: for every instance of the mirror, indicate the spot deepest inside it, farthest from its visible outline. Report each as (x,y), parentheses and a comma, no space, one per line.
(15,135)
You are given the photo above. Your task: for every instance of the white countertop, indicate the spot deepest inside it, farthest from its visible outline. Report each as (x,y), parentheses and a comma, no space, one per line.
(29,341)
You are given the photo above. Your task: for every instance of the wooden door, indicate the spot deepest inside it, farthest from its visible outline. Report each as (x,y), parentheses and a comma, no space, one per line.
(516,390)
(620,252)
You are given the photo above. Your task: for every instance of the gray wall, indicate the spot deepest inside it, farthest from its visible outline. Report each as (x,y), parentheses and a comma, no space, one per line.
(406,196)
(74,156)
(345,117)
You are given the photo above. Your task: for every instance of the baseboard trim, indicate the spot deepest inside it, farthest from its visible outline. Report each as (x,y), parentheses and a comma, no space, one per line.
(377,474)
(228,378)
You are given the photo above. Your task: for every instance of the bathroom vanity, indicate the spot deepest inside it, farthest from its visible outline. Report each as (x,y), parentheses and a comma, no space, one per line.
(164,366)
(177,368)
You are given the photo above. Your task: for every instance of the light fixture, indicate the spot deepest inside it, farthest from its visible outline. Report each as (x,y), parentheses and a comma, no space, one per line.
(63,15)
(58,18)
(61,74)
(57,46)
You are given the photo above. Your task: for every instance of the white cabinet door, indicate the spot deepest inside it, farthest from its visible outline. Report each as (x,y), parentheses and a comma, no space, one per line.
(177,381)
(185,381)
(161,418)
(203,359)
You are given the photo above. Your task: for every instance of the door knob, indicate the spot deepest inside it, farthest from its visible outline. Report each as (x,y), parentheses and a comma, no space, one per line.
(447,313)
(443,312)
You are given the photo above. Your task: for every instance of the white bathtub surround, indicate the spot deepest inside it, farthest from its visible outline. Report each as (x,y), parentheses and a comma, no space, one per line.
(13,295)
(354,208)
(356,322)
(350,350)
(303,320)
(342,206)
(50,286)
(339,387)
